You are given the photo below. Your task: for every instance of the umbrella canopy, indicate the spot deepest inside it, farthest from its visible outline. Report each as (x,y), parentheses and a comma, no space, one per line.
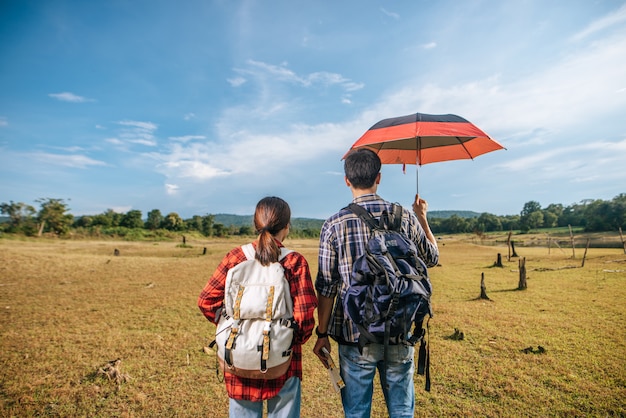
(422,139)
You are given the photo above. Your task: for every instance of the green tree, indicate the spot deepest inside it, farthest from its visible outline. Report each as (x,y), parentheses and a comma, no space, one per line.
(549,219)
(173,222)
(487,222)
(510,222)
(455,224)
(155,219)
(108,219)
(194,224)
(132,219)
(535,220)
(53,217)
(531,216)
(207,225)
(219,230)
(19,214)
(246,230)
(83,222)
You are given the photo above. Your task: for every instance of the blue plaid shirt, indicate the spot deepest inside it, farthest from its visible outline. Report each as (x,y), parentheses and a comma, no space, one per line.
(342,240)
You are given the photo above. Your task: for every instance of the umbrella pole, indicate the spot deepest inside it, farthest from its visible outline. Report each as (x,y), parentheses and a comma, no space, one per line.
(417,178)
(417,165)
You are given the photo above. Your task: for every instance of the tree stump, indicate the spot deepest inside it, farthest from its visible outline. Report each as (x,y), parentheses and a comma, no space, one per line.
(498,262)
(483,288)
(522,285)
(112,372)
(204,251)
(513,249)
(116,252)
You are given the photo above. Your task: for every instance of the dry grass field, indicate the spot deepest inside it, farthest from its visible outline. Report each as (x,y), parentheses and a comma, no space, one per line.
(68,307)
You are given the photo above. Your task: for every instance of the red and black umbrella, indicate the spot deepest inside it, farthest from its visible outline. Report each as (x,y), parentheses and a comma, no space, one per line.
(421,139)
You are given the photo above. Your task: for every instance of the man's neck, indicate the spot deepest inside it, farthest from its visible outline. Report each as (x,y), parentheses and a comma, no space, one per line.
(362,192)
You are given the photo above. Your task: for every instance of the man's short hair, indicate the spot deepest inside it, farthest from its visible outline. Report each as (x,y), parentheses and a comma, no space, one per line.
(361,167)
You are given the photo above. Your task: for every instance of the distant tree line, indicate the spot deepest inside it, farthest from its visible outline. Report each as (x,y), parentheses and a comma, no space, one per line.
(591,215)
(53,217)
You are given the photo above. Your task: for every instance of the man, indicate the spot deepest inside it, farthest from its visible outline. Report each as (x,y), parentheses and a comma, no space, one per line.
(342,239)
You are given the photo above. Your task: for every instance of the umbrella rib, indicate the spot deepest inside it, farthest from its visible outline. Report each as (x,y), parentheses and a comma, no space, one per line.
(465,148)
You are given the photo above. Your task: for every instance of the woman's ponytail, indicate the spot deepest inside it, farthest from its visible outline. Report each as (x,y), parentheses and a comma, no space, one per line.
(272,215)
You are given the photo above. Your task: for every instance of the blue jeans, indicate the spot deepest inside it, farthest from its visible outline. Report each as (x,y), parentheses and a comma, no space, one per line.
(357,372)
(284,405)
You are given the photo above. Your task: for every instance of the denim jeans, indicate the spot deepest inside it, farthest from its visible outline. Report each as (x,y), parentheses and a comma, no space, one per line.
(357,372)
(284,405)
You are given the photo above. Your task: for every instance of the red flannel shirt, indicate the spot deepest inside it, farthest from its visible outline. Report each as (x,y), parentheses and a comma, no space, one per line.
(304,303)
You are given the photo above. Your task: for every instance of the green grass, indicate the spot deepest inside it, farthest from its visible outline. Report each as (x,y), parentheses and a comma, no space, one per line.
(67,307)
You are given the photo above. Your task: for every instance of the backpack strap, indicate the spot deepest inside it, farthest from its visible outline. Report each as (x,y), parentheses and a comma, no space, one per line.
(396,209)
(394,222)
(364,214)
(250,252)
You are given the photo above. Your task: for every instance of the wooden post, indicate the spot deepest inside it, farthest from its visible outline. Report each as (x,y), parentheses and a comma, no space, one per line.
(522,285)
(498,262)
(585,254)
(508,244)
(513,248)
(483,288)
(549,243)
(204,251)
(622,238)
(571,237)
(557,244)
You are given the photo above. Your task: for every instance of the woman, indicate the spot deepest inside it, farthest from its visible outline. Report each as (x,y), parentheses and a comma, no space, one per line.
(247,396)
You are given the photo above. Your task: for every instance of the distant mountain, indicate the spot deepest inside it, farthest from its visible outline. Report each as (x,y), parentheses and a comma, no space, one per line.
(236,220)
(311,223)
(246,220)
(449,213)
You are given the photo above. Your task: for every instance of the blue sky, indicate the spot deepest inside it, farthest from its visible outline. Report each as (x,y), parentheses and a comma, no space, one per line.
(204,107)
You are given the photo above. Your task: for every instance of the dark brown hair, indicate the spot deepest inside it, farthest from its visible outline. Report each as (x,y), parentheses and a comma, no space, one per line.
(272,214)
(361,167)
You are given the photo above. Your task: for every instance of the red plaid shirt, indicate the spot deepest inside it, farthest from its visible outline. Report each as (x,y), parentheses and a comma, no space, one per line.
(304,303)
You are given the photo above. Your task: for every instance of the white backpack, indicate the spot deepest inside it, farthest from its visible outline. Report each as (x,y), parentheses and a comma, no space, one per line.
(255,332)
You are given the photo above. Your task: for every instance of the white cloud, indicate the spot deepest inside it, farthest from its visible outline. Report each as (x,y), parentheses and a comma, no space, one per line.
(186,138)
(236,81)
(137,132)
(429,45)
(189,116)
(70,97)
(278,152)
(73,161)
(121,209)
(390,14)
(612,19)
(144,126)
(3,121)
(171,189)
(146,142)
(282,73)
(578,163)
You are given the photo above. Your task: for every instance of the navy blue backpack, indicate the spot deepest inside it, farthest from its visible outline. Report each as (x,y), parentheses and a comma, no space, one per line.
(389,293)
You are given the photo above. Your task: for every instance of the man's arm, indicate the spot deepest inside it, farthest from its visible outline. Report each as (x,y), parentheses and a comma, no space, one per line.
(324,311)
(420,208)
